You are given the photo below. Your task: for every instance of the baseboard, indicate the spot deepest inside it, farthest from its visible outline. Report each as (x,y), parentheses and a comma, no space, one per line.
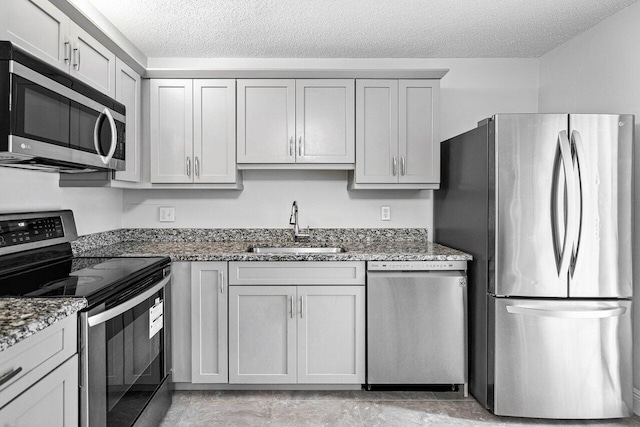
(636,401)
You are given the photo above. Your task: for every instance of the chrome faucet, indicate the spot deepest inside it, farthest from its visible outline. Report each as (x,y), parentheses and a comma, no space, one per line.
(298,235)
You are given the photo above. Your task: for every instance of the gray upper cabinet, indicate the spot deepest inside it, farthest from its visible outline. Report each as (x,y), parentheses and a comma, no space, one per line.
(397,141)
(192,131)
(284,121)
(266,121)
(171,131)
(47,33)
(324,121)
(214,131)
(129,93)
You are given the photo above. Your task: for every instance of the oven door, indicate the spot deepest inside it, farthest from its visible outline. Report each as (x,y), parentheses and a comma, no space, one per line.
(124,357)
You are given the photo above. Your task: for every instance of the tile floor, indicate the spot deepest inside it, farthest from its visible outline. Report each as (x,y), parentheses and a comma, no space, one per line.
(342,408)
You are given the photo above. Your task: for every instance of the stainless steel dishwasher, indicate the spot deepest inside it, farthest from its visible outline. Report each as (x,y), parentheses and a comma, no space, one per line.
(417,323)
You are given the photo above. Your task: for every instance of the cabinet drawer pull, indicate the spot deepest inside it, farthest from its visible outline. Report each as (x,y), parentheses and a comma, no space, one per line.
(76,57)
(403,166)
(301,307)
(221,280)
(7,377)
(395,165)
(189,167)
(291,146)
(300,146)
(197,167)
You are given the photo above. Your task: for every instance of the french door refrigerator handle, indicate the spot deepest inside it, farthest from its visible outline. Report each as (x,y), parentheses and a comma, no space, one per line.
(569,176)
(579,167)
(568,314)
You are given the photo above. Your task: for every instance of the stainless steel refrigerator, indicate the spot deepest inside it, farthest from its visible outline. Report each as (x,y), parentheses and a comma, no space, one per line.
(543,202)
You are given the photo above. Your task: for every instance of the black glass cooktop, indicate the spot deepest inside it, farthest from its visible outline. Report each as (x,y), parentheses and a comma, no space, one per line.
(92,278)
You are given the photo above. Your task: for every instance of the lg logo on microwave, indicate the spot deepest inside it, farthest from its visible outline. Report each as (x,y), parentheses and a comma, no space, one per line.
(25,146)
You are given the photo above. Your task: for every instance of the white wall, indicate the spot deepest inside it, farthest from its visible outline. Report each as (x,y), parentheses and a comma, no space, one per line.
(472,90)
(599,72)
(95,209)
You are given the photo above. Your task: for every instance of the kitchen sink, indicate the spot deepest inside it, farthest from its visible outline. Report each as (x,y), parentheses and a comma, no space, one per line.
(296,250)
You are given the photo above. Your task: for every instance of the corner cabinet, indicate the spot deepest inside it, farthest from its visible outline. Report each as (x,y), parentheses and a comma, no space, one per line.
(193,132)
(287,121)
(47,33)
(397,142)
(312,332)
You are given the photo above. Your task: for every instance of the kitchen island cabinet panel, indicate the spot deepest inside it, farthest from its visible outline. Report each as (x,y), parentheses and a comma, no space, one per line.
(52,401)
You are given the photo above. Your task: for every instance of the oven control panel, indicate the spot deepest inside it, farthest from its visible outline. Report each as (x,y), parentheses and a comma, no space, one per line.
(17,232)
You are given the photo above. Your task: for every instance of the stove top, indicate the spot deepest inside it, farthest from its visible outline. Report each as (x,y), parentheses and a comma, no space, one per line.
(92,278)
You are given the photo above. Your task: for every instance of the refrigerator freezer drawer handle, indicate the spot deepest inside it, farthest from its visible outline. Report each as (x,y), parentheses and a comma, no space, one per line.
(568,314)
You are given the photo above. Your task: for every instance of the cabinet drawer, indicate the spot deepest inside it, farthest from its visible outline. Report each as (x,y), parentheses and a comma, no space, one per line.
(36,356)
(297,273)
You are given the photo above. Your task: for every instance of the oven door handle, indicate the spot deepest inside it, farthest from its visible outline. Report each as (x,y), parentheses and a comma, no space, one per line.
(127,305)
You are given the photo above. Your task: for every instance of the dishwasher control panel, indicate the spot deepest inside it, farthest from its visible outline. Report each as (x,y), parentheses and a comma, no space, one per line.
(415,265)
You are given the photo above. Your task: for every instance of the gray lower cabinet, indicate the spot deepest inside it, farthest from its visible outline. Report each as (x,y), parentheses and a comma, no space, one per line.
(199,322)
(309,333)
(52,401)
(209,322)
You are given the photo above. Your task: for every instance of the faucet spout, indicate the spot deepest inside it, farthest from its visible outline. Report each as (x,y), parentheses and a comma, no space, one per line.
(298,235)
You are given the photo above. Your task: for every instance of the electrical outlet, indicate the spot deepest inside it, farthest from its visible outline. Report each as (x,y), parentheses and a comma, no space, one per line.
(167,214)
(385,213)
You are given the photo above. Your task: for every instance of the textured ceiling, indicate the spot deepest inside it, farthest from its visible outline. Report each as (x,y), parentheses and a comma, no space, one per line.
(353,28)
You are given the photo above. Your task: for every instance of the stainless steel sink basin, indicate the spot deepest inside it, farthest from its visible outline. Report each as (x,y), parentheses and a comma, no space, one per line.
(295,250)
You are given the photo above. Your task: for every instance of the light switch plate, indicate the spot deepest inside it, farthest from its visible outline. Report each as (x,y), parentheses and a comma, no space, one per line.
(385,213)
(167,214)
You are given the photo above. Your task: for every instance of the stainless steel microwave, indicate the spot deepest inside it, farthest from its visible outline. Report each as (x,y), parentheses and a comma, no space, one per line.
(50,121)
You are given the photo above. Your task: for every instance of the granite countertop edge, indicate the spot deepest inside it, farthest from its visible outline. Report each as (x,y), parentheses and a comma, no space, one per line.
(21,318)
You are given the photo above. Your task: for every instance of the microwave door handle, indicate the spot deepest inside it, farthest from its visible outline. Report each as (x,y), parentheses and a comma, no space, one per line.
(114,136)
(127,305)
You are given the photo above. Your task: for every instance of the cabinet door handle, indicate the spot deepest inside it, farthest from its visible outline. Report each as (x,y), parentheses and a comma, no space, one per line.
(395,165)
(403,166)
(291,146)
(67,50)
(300,146)
(6,377)
(189,167)
(292,308)
(221,280)
(301,307)
(76,57)
(197,166)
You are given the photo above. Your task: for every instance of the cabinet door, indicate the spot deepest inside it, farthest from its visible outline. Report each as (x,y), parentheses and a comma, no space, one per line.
(39,28)
(91,62)
(171,131)
(129,93)
(52,401)
(325,121)
(331,334)
(262,334)
(419,146)
(214,131)
(266,121)
(377,159)
(209,322)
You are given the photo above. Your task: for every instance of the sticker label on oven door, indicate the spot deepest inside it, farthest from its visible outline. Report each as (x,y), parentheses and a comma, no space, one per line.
(157,310)
(155,326)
